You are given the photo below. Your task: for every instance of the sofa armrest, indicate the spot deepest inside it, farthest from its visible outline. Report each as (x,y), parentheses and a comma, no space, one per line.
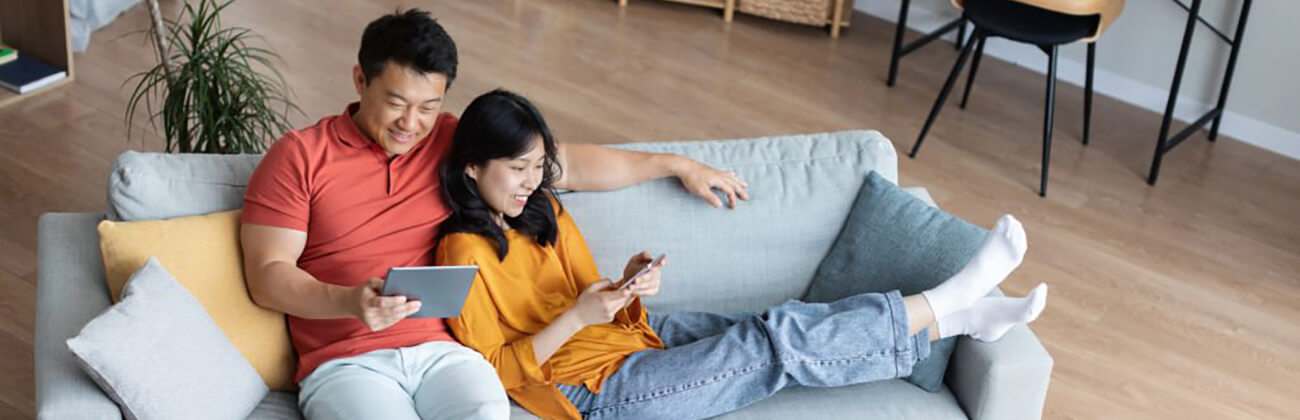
(70,291)
(1004,380)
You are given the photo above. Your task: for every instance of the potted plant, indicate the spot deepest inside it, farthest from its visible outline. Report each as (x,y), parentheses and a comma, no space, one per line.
(207,88)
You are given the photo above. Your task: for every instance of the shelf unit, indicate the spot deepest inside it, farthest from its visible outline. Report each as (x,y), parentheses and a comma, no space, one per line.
(37,28)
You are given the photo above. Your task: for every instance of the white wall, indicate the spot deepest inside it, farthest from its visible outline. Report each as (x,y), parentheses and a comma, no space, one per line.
(1136,57)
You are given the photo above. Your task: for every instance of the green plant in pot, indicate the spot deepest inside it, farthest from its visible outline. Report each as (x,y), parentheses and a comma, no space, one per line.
(207,88)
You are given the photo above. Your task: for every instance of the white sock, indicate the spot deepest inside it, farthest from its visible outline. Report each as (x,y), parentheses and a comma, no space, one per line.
(1001,253)
(991,317)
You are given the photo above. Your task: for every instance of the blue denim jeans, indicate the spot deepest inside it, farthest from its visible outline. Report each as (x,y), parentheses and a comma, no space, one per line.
(717,363)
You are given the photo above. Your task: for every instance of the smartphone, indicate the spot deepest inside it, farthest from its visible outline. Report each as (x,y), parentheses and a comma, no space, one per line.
(625,283)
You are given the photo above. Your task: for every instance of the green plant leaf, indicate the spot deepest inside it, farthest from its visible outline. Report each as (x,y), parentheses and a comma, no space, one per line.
(221,95)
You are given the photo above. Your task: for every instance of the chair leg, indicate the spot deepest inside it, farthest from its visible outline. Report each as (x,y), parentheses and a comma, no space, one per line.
(943,94)
(1087,92)
(899,30)
(961,35)
(974,67)
(1047,118)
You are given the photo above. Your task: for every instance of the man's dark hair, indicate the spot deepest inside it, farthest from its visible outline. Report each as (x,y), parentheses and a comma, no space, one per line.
(409,38)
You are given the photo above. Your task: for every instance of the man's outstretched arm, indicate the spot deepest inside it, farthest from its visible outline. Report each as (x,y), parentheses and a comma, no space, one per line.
(589,167)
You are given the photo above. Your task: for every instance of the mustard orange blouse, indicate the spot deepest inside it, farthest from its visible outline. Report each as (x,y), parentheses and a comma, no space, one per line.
(513,299)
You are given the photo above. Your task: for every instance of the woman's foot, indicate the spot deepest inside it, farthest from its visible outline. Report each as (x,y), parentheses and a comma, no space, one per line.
(1002,251)
(991,317)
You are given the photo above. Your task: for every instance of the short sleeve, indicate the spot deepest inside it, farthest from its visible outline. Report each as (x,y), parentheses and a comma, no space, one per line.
(278,193)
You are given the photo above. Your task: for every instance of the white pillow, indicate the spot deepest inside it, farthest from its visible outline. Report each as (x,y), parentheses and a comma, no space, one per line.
(159,355)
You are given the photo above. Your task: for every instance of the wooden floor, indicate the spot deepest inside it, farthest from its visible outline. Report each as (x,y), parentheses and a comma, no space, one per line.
(1179,301)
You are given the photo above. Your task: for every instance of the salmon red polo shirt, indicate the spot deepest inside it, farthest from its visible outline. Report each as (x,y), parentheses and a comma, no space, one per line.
(363,213)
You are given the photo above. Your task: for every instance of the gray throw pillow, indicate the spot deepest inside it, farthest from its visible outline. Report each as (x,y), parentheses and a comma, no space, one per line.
(159,355)
(894,241)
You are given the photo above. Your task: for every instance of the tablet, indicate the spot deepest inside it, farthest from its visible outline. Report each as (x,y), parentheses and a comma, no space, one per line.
(440,290)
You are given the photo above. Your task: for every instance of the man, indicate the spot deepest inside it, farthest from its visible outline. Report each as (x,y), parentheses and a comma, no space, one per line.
(333,206)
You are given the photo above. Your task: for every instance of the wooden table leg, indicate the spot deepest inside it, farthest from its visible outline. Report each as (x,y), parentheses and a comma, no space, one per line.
(837,15)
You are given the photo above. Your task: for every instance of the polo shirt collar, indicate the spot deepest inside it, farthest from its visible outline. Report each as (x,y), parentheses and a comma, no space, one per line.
(347,130)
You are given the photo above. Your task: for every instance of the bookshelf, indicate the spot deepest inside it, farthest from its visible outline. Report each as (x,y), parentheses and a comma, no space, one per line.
(37,28)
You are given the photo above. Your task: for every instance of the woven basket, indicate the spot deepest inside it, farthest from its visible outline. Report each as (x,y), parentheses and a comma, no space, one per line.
(807,12)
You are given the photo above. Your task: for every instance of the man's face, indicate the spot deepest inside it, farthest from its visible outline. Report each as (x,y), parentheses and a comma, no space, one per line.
(399,106)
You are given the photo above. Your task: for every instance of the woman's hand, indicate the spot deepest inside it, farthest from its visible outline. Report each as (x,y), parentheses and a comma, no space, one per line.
(648,283)
(598,304)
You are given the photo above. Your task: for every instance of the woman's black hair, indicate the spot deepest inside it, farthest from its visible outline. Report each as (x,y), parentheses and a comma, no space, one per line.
(498,124)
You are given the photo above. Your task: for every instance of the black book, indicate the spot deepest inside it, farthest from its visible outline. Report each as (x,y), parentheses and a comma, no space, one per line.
(27,74)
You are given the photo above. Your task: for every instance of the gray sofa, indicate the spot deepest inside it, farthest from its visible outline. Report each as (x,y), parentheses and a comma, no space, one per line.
(755,256)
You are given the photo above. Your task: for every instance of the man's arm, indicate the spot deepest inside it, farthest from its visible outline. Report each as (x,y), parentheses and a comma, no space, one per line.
(588,167)
(275,281)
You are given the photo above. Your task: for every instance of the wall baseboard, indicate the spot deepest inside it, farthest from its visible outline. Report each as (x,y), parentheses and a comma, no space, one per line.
(1249,130)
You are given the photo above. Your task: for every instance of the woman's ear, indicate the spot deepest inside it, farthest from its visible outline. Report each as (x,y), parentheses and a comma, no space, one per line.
(472,172)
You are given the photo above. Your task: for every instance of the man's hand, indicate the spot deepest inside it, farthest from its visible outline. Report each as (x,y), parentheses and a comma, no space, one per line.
(377,311)
(701,179)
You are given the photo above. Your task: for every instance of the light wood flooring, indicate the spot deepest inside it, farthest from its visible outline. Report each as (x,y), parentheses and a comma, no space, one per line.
(1178,301)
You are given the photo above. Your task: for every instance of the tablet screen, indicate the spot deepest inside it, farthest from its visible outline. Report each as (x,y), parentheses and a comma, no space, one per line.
(440,290)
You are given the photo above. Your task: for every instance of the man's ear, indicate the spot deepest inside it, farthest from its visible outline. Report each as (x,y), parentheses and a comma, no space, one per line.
(472,172)
(358,79)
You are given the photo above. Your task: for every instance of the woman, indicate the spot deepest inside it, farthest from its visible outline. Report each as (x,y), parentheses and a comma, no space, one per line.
(566,344)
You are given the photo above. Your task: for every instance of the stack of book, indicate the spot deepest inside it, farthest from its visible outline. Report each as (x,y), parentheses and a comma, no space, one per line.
(22,74)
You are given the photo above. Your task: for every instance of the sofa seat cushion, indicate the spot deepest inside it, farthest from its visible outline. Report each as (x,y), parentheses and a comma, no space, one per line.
(892,399)
(278,405)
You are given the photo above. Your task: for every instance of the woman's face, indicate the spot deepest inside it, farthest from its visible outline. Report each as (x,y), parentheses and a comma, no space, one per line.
(506,183)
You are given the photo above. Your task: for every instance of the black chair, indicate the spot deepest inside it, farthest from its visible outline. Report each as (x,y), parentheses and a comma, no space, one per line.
(1020,21)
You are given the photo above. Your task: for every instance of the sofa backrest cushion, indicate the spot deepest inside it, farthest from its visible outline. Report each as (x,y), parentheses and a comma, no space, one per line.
(747,259)
(151,186)
(760,254)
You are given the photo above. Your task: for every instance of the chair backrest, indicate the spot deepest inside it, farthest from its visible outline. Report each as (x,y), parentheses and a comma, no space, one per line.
(1106,10)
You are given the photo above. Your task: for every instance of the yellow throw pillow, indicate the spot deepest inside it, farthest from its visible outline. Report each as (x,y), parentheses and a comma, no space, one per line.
(204,255)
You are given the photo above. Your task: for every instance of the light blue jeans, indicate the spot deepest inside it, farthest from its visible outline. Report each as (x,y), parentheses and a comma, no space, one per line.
(717,363)
(434,380)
